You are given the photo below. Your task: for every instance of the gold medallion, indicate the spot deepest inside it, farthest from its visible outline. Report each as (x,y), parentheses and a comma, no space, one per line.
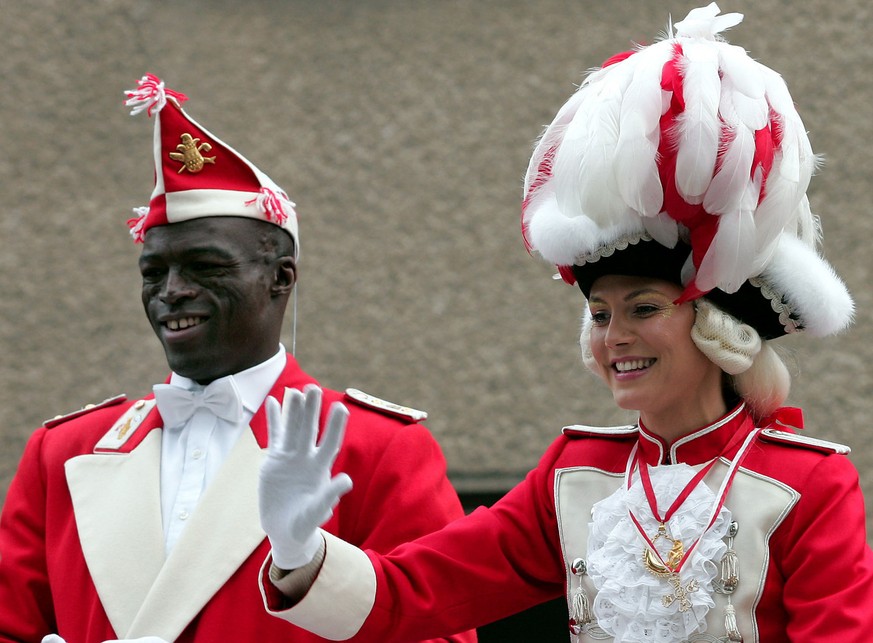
(652,559)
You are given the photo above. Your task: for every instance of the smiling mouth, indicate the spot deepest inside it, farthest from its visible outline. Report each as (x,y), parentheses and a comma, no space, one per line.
(182,324)
(633,365)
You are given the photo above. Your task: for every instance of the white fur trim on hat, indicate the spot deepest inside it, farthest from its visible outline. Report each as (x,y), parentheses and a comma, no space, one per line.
(805,290)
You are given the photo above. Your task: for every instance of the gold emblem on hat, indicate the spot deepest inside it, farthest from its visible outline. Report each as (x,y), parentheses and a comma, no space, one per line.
(189,154)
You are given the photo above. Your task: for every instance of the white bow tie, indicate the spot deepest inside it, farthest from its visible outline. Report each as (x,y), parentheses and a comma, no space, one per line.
(221,398)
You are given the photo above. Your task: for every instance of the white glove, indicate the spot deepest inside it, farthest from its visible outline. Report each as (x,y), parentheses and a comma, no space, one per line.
(296,491)
(52,638)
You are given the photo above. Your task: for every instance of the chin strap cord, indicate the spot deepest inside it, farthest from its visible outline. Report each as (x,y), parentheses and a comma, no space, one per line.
(294,321)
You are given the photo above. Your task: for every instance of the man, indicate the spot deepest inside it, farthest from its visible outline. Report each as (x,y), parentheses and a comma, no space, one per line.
(139,519)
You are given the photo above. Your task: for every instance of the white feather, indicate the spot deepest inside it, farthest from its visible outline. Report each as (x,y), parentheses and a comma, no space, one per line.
(730,257)
(729,185)
(754,113)
(636,154)
(552,135)
(807,225)
(737,107)
(798,160)
(583,169)
(567,164)
(793,166)
(743,73)
(704,22)
(698,124)
(663,229)
(777,209)
(777,91)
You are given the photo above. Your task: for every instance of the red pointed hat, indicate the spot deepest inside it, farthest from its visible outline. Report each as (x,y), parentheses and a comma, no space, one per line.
(687,160)
(198,175)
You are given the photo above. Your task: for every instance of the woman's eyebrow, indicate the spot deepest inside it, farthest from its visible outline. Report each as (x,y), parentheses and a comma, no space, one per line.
(631,295)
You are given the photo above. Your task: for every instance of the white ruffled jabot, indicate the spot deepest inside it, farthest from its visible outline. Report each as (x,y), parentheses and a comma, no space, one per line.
(630,599)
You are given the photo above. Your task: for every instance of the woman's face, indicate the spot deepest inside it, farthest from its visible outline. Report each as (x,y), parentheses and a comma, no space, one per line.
(642,348)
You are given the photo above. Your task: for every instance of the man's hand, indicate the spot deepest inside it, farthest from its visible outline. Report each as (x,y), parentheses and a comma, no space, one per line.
(297,493)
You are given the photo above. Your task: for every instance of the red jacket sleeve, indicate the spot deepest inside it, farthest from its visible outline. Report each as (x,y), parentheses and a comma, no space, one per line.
(486,566)
(825,562)
(25,596)
(401,490)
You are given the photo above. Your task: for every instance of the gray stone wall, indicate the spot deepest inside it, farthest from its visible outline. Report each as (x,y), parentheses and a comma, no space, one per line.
(402,131)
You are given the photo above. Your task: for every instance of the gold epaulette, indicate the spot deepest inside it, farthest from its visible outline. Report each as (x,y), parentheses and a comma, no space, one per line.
(88,408)
(371,402)
(798,440)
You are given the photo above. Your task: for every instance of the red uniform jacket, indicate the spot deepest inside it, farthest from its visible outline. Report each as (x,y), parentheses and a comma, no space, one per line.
(806,570)
(81,541)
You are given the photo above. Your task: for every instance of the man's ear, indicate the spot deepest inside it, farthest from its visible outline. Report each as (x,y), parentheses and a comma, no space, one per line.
(285,276)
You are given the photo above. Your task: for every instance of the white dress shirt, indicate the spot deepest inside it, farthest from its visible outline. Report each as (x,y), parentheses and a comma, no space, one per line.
(192,454)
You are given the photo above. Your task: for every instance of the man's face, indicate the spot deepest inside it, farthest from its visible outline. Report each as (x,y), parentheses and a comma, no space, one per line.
(214,293)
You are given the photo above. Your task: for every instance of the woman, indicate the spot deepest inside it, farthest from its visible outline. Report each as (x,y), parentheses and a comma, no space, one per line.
(671,189)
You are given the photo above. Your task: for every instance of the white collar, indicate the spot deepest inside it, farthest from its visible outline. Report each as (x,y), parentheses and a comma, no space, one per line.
(253,383)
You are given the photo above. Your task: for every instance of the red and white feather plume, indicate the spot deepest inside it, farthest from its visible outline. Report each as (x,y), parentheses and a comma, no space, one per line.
(688,138)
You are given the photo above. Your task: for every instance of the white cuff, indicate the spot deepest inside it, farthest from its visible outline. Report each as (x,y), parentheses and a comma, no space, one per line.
(342,596)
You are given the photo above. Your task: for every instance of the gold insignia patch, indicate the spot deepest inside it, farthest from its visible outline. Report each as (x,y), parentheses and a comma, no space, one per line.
(125,426)
(189,154)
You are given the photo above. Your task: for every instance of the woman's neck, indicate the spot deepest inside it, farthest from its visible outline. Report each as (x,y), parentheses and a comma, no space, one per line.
(675,423)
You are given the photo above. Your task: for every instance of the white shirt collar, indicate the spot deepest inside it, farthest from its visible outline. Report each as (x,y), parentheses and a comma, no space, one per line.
(253,383)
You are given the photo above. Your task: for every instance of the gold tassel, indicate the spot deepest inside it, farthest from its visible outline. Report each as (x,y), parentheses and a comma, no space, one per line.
(730,624)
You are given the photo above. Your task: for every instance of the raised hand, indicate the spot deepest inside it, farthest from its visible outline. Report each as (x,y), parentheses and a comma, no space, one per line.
(297,493)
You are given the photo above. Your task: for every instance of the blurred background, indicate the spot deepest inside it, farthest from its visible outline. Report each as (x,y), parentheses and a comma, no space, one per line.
(402,131)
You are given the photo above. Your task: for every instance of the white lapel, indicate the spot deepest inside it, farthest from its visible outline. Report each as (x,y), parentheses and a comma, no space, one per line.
(117,506)
(576,491)
(759,504)
(221,534)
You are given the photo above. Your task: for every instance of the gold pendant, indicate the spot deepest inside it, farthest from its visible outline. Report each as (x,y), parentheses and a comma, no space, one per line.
(667,569)
(652,560)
